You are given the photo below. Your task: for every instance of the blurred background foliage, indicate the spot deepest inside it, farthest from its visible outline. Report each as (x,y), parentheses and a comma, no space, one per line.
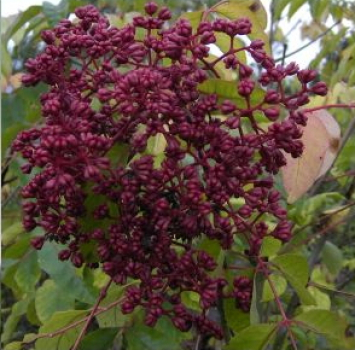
(40,294)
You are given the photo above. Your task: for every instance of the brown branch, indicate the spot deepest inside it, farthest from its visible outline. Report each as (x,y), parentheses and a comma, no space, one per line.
(75,324)
(102,296)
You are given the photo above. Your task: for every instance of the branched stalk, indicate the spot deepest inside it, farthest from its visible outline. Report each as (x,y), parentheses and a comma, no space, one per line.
(60,331)
(102,296)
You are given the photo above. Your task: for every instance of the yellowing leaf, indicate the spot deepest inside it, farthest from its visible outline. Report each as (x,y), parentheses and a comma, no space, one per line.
(321,142)
(334,133)
(15,80)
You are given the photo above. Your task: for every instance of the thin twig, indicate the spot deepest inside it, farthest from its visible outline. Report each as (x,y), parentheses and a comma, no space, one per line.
(75,324)
(102,296)
(309,43)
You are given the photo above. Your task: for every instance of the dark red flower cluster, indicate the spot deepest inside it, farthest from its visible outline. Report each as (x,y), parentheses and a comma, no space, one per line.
(112,91)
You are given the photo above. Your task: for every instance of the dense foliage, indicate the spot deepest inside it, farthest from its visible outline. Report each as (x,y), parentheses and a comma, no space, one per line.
(155,172)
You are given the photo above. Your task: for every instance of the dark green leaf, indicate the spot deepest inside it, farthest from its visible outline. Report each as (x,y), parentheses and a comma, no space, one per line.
(162,337)
(55,13)
(100,339)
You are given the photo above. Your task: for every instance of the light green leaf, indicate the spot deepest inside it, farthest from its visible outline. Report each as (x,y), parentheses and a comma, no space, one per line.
(255,337)
(11,233)
(228,90)
(236,319)
(28,272)
(59,320)
(279,284)
(50,299)
(194,18)
(191,300)
(322,300)
(324,322)
(114,316)
(17,345)
(332,257)
(6,62)
(223,43)
(270,246)
(18,309)
(295,270)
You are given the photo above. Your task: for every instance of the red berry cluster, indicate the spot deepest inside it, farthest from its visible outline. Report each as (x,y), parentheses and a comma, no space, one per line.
(113,90)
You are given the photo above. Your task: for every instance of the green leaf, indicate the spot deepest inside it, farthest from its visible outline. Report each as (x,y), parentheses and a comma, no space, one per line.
(162,337)
(295,5)
(11,233)
(322,300)
(324,322)
(255,337)
(252,10)
(18,309)
(17,345)
(59,320)
(55,13)
(21,20)
(100,339)
(223,43)
(63,274)
(6,62)
(279,6)
(332,257)
(28,272)
(19,248)
(236,318)
(50,299)
(295,269)
(191,300)
(194,18)
(256,306)
(270,246)
(279,284)
(114,316)
(228,90)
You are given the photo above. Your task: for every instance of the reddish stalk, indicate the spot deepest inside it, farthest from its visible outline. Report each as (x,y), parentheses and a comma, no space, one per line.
(102,296)
(338,105)
(286,321)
